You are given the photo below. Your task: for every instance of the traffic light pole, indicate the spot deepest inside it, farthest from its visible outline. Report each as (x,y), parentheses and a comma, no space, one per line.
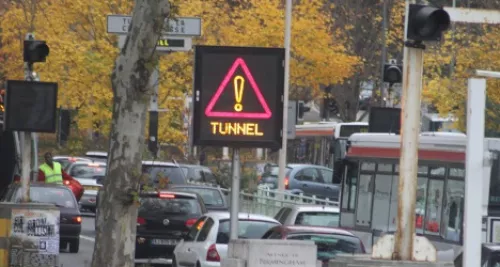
(410,130)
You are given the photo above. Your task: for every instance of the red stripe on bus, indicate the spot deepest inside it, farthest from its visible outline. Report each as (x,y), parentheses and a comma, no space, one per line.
(375,152)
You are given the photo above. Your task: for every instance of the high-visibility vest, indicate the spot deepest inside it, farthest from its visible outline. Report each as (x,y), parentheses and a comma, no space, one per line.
(52,175)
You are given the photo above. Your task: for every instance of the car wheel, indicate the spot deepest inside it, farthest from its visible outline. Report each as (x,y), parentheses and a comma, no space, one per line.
(74,246)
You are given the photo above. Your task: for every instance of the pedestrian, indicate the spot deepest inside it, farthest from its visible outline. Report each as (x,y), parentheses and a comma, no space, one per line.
(51,171)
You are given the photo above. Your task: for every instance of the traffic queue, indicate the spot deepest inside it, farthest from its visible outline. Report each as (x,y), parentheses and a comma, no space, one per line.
(185,223)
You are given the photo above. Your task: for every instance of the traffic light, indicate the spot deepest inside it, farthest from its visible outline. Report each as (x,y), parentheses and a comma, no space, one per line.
(426,23)
(301,109)
(35,51)
(393,73)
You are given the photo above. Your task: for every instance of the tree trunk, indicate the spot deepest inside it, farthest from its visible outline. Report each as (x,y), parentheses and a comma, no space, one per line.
(116,219)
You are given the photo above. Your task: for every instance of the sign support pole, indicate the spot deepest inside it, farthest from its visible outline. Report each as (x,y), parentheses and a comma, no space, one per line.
(282,155)
(476,105)
(153,114)
(235,192)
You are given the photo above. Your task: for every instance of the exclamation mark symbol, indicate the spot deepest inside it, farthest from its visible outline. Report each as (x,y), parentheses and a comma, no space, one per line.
(239,84)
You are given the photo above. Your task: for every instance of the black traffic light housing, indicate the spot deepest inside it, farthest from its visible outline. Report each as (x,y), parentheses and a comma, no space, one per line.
(426,23)
(393,73)
(35,51)
(301,109)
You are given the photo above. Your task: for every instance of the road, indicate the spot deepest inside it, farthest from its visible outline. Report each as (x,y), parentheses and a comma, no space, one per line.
(84,257)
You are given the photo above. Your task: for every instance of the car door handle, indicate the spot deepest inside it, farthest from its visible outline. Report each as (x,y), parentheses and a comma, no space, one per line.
(327,187)
(304,185)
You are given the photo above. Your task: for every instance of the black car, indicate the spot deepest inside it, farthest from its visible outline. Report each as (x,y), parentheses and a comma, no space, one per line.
(213,197)
(164,218)
(62,197)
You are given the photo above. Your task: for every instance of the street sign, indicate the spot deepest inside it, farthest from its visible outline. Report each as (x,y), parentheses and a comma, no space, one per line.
(181,26)
(292,119)
(166,44)
(238,96)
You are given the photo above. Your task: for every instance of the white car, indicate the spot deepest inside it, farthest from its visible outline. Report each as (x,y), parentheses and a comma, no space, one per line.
(87,174)
(205,245)
(310,215)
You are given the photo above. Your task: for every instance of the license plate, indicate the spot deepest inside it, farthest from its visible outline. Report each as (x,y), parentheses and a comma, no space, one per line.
(164,242)
(96,188)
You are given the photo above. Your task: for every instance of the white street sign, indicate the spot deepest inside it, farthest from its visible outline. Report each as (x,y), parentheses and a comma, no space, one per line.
(181,26)
(166,43)
(292,119)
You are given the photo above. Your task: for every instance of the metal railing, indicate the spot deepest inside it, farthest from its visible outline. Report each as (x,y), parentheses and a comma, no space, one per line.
(266,201)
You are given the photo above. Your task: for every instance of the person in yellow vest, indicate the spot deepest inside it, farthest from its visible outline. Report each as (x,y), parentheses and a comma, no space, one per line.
(50,171)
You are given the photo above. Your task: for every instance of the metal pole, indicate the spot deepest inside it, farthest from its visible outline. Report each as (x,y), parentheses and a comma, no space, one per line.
(282,155)
(34,157)
(235,192)
(384,53)
(153,113)
(476,104)
(412,87)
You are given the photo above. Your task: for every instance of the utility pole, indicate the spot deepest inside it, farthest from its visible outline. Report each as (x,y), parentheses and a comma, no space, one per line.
(383,90)
(282,155)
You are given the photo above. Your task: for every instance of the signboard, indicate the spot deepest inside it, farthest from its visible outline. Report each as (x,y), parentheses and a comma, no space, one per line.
(182,26)
(238,96)
(292,119)
(166,44)
(384,120)
(30,106)
(34,237)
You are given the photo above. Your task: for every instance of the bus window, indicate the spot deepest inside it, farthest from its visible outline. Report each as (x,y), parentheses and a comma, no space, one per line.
(365,198)
(350,187)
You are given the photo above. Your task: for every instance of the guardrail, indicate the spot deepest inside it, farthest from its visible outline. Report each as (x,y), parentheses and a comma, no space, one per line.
(268,202)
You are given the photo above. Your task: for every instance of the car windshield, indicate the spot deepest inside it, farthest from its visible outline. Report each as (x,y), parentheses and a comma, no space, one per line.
(162,176)
(248,229)
(88,171)
(60,197)
(177,205)
(313,218)
(211,197)
(329,245)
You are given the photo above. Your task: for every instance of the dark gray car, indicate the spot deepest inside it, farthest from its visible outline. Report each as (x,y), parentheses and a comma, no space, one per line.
(304,178)
(213,197)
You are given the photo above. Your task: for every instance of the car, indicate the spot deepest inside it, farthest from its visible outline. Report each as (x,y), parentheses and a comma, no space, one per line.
(490,255)
(304,178)
(206,244)
(164,218)
(198,174)
(67,160)
(312,215)
(87,174)
(161,174)
(97,155)
(70,225)
(213,197)
(329,241)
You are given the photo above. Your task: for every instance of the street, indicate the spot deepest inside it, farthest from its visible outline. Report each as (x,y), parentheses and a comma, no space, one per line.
(84,257)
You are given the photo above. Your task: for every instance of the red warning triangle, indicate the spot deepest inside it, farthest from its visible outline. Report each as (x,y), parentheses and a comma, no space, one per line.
(247,115)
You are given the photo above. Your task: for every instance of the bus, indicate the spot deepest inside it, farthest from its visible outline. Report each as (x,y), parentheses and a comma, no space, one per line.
(314,142)
(370,174)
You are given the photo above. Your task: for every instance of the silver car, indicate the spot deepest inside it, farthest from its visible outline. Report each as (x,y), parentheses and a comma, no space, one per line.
(310,215)
(87,174)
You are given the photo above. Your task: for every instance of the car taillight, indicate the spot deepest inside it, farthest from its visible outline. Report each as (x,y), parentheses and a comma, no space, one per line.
(77,219)
(286,182)
(190,222)
(140,221)
(17,178)
(212,254)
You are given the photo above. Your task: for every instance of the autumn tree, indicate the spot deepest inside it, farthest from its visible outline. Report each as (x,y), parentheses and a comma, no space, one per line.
(115,237)
(82,54)
(359,26)
(449,64)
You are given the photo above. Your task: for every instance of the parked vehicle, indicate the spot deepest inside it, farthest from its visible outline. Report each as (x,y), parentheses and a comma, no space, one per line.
(59,195)
(67,160)
(304,178)
(87,174)
(329,241)
(490,256)
(164,218)
(311,215)
(213,197)
(205,245)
